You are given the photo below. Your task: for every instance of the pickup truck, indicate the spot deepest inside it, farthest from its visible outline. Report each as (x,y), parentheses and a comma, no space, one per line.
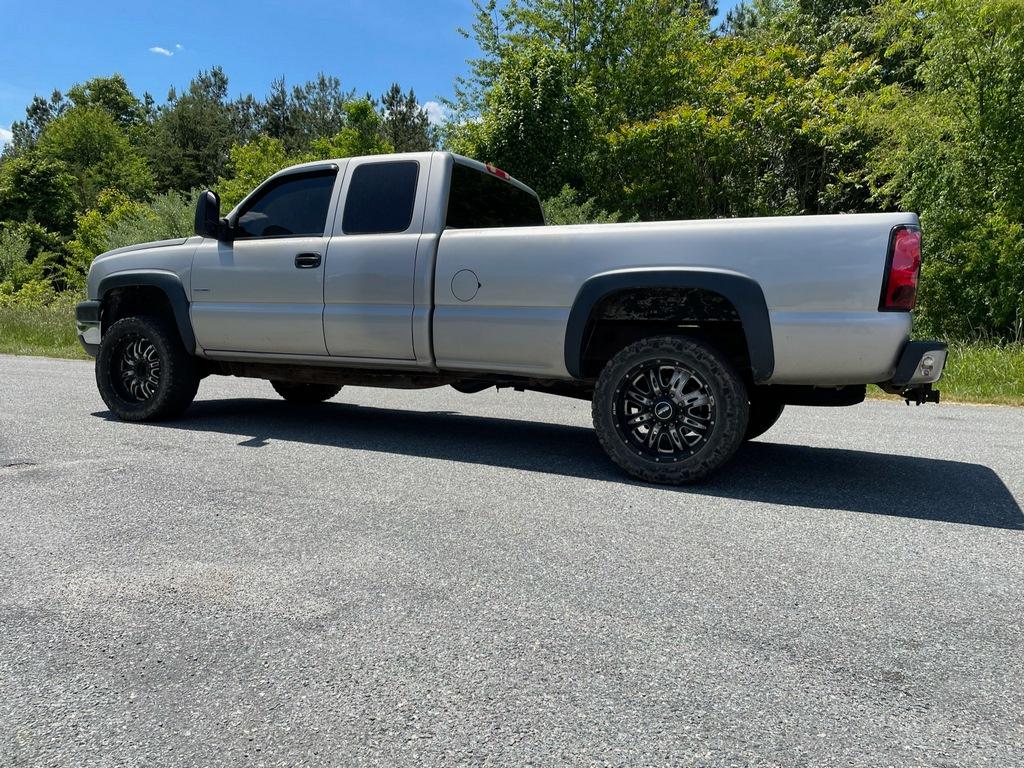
(430,269)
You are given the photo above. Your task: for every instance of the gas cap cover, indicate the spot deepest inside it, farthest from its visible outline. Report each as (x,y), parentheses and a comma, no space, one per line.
(465,284)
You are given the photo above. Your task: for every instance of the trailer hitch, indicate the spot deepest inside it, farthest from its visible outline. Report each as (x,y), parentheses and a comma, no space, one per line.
(921,393)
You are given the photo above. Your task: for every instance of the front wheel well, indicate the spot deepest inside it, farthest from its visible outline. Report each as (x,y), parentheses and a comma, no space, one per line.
(135,301)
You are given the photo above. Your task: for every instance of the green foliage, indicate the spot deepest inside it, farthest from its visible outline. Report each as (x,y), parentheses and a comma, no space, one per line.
(36,188)
(92,231)
(404,123)
(250,164)
(112,95)
(361,135)
(15,268)
(169,215)
(96,152)
(568,207)
(535,101)
(952,151)
(192,134)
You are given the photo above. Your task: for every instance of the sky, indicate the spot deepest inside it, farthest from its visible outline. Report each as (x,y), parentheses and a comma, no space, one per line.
(368,44)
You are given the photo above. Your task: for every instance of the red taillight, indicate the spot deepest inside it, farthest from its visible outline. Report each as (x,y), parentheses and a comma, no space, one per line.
(899,292)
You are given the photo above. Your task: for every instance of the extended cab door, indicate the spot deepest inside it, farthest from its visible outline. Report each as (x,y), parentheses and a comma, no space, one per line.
(371,262)
(263,291)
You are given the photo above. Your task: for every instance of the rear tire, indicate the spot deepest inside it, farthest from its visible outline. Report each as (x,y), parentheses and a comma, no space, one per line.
(763,415)
(144,372)
(669,409)
(304,394)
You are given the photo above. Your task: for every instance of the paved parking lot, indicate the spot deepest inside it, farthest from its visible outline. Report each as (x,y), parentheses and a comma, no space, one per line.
(420,578)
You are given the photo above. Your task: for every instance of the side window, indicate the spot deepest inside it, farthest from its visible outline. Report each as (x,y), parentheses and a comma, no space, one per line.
(477,200)
(380,198)
(290,207)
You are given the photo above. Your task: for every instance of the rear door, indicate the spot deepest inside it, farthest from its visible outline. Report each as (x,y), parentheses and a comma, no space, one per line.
(263,292)
(371,261)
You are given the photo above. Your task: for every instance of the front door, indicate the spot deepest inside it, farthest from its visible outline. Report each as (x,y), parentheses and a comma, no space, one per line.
(264,291)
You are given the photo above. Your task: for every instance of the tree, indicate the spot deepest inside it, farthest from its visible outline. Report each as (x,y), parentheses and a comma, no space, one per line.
(38,115)
(314,110)
(193,134)
(405,124)
(360,136)
(952,151)
(96,152)
(537,121)
(92,231)
(37,188)
(250,165)
(111,94)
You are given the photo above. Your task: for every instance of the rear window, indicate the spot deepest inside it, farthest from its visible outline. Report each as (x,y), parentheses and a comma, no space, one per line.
(380,198)
(478,200)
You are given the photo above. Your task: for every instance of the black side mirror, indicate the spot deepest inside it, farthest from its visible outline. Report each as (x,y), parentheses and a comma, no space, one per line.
(208,220)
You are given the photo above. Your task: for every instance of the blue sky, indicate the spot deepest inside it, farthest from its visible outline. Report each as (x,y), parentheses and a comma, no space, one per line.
(368,44)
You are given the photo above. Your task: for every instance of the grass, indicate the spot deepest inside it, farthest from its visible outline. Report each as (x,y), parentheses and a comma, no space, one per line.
(48,331)
(976,372)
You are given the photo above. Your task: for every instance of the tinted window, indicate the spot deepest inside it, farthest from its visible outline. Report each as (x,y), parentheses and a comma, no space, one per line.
(480,199)
(380,198)
(292,206)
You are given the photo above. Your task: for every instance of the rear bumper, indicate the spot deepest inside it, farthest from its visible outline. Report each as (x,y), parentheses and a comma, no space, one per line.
(87,320)
(920,365)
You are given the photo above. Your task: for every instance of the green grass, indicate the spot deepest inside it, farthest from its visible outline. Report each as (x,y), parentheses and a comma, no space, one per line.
(46,331)
(975,372)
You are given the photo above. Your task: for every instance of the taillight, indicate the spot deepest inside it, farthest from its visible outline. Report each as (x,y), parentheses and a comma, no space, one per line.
(899,290)
(498,172)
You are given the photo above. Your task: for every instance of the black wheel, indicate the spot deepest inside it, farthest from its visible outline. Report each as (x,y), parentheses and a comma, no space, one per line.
(143,371)
(670,410)
(764,413)
(305,394)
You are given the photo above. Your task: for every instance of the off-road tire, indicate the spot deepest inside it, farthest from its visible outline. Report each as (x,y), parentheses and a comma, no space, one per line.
(764,413)
(305,394)
(148,340)
(725,393)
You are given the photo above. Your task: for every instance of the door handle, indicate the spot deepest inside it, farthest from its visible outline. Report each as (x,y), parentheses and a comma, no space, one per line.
(307,260)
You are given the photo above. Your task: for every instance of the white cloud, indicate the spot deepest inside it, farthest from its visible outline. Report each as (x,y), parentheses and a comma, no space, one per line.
(435,112)
(5,136)
(177,46)
(161,51)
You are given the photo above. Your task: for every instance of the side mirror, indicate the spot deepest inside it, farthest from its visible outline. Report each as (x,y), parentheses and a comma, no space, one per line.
(208,220)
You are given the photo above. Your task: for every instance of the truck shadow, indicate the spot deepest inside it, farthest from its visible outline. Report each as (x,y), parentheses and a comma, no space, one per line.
(821,478)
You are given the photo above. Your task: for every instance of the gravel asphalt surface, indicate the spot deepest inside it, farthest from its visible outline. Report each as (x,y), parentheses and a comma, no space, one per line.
(430,578)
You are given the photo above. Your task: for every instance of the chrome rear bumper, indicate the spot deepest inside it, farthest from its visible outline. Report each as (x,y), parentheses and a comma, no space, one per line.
(920,366)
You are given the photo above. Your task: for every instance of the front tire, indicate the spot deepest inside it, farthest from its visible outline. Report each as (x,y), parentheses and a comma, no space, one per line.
(669,409)
(304,394)
(144,372)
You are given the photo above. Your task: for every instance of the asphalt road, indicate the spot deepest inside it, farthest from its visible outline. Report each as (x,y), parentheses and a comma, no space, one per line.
(421,578)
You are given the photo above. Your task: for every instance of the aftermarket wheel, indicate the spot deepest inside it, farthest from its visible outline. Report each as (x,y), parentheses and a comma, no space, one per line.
(305,394)
(669,409)
(143,371)
(763,415)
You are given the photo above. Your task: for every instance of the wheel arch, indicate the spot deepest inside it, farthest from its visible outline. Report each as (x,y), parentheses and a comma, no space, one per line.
(167,283)
(742,292)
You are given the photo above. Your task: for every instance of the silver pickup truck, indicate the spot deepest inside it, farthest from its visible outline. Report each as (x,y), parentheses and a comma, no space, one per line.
(430,269)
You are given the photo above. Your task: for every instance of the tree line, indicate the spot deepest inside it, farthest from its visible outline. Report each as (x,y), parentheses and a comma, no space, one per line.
(612,110)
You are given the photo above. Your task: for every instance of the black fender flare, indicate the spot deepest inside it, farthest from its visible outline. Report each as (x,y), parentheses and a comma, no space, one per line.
(171,287)
(743,292)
